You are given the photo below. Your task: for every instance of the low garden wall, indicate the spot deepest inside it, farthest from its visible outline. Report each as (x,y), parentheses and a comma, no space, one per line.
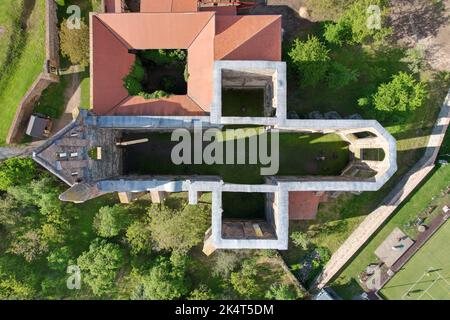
(26,106)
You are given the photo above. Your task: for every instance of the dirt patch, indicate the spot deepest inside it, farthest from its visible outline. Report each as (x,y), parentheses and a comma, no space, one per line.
(424,24)
(293,25)
(2,31)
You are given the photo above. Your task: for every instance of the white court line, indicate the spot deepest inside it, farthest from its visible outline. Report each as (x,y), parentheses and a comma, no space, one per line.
(428,288)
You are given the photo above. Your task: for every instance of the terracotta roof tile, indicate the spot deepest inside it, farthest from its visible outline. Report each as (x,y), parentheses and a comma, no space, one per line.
(248,38)
(172,106)
(111,63)
(157,30)
(169,5)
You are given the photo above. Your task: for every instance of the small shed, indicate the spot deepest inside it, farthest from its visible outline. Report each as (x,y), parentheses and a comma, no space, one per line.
(38,127)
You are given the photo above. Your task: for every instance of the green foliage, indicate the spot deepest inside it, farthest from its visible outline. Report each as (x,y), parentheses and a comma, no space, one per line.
(202,293)
(100,265)
(178,230)
(300,239)
(15,171)
(415,59)
(75,43)
(168,83)
(59,258)
(162,57)
(359,24)
(92,153)
(226,261)
(110,221)
(338,33)
(29,245)
(133,86)
(158,94)
(339,75)
(166,279)
(281,292)
(245,281)
(310,59)
(138,235)
(11,289)
(398,97)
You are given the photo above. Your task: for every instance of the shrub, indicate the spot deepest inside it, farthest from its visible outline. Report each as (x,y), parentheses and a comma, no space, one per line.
(59,259)
(75,43)
(158,94)
(310,59)
(300,239)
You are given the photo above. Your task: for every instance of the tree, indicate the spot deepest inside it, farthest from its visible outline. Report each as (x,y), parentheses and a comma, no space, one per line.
(15,171)
(361,22)
(300,239)
(310,59)
(226,262)
(340,76)
(281,292)
(75,42)
(245,281)
(202,293)
(59,258)
(138,236)
(166,279)
(30,245)
(11,289)
(100,265)
(338,33)
(398,97)
(110,221)
(178,230)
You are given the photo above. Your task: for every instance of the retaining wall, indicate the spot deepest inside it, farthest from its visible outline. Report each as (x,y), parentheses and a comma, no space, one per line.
(26,106)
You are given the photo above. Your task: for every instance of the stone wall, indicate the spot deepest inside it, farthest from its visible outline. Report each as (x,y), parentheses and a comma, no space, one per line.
(26,106)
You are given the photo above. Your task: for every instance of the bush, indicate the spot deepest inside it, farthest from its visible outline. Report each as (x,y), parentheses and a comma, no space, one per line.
(132,85)
(310,59)
(300,239)
(59,259)
(75,43)
(246,280)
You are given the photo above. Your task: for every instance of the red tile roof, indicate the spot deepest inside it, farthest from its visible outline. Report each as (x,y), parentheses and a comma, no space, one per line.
(169,5)
(248,38)
(206,36)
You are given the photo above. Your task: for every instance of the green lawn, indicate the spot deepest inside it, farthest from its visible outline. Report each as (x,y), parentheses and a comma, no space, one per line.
(52,100)
(26,58)
(431,193)
(427,275)
(243,103)
(85,91)
(298,153)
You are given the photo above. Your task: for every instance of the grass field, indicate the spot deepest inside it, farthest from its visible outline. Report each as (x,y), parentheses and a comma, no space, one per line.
(427,275)
(243,103)
(298,154)
(430,193)
(22,55)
